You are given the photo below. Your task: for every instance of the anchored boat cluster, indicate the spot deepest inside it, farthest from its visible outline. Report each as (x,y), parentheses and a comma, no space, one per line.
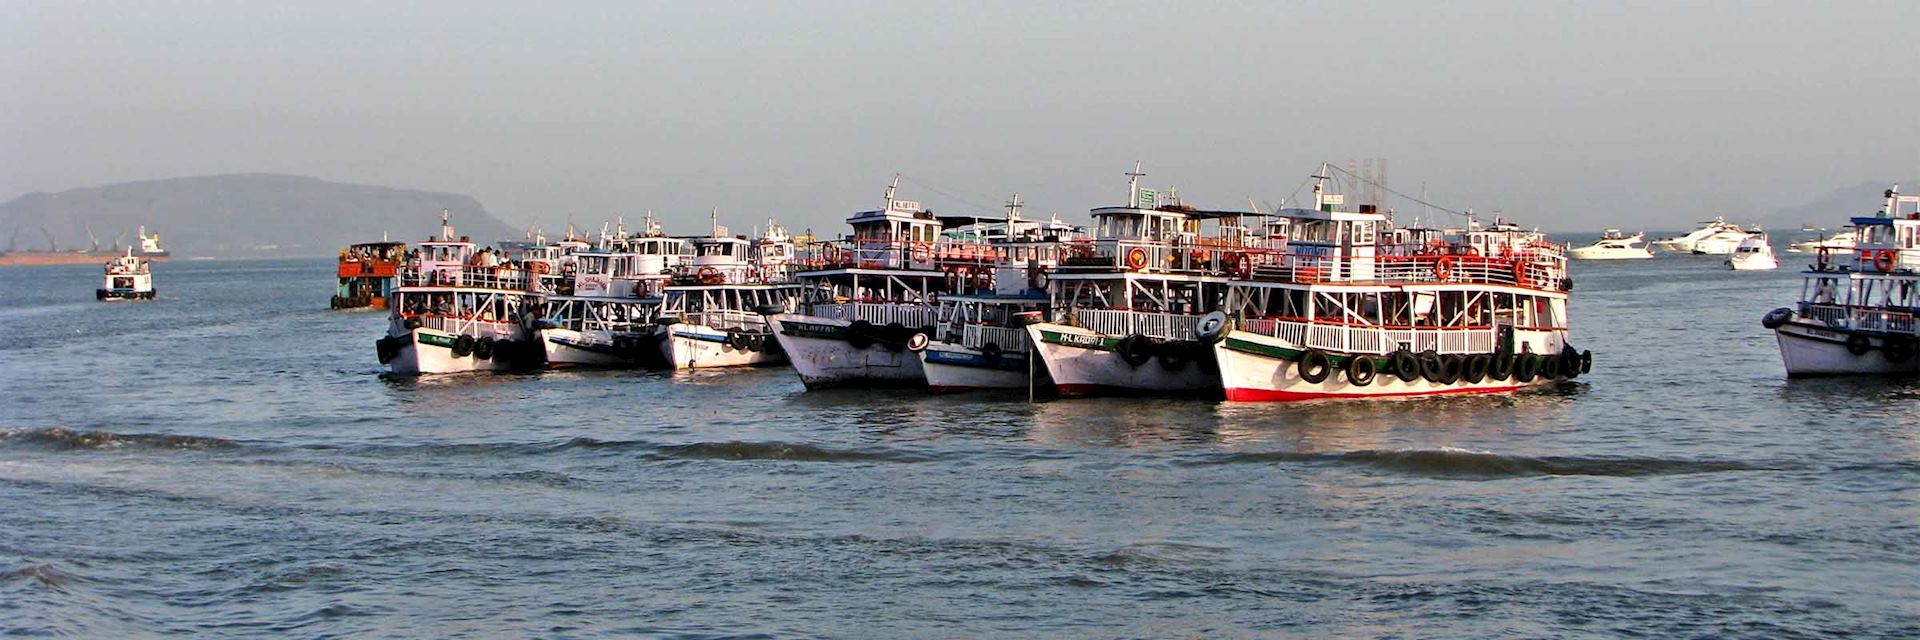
(1326,301)
(1857,303)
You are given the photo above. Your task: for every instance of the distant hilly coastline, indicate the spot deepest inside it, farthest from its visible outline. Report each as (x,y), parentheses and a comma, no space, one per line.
(239,215)
(1832,211)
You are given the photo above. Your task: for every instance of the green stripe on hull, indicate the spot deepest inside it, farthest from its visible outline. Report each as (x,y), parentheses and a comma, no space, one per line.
(1283,353)
(1079,340)
(436,340)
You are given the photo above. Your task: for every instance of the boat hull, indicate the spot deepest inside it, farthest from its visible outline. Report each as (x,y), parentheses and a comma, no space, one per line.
(1812,351)
(567,348)
(429,352)
(692,346)
(1609,254)
(954,368)
(1257,368)
(1083,363)
(822,353)
(122,294)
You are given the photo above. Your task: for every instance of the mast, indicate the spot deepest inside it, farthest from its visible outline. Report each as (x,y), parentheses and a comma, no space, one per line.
(890,189)
(1319,192)
(446,230)
(1133,186)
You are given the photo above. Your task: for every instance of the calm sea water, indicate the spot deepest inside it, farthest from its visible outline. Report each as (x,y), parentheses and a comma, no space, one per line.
(226,461)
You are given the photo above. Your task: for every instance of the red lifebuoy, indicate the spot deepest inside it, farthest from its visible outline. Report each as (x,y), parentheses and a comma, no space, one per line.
(1242,265)
(1136,258)
(1884,260)
(922,252)
(1520,273)
(1037,279)
(1443,268)
(710,275)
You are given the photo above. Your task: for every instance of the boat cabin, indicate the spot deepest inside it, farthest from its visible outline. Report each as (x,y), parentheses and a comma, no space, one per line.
(1890,241)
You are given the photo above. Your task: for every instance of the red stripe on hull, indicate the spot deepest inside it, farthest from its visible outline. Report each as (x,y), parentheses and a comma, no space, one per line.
(1270,395)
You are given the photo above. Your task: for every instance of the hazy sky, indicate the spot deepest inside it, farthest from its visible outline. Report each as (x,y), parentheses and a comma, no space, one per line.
(1567,115)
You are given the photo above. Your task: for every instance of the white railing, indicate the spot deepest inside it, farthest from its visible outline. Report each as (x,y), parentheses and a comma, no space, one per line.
(1171,326)
(1375,340)
(727,319)
(976,336)
(1861,318)
(467,326)
(476,277)
(908,315)
(1414,269)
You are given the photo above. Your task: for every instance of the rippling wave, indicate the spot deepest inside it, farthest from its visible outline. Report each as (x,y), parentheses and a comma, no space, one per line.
(1460,462)
(64,438)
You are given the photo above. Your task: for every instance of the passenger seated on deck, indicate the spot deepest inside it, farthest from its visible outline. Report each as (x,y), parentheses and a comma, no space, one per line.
(1823,293)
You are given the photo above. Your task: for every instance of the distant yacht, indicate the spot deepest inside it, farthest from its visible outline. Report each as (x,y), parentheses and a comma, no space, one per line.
(1723,242)
(1685,243)
(1837,243)
(1753,254)
(1614,246)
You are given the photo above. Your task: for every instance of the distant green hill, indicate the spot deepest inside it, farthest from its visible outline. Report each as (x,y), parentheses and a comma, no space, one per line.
(241,215)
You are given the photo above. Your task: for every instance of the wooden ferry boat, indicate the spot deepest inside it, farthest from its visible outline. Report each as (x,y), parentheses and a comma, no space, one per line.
(981,341)
(1126,304)
(712,315)
(128,277)
(599,301)
(368,273)
(1332,313)
(1856,312)
(459,308)
(863,299)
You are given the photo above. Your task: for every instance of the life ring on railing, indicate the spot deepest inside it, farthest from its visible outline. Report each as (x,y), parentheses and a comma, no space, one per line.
(1472,252)
(1443,268)
(922,252)
(1136,258)
(1520,273)
(1884,260)
(830,254)
(537,267)
(1825,256)
(1037,279)
(710,275)
(1242,265)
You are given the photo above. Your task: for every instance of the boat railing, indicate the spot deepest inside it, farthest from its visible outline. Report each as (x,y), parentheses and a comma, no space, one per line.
(507,278)
(879,313)
(1860,318)
(727,319)
(466,325)
(978,336)
(1121,322)
(355,267)
(1195,256)
(1374,340)
(1525,271)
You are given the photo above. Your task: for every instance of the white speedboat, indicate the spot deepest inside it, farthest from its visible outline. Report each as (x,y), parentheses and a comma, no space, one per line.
(1753,254)
(1837,243)
(127,278)
(1614,246)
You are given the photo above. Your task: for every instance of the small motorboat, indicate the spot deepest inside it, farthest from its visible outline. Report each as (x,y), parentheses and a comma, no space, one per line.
(1753,254)
(1614,246)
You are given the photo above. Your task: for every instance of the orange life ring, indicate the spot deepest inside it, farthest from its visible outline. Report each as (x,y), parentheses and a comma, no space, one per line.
(537,267)
(1136,258)
(710,275)
(922,252)
(1520,273)
(1473,252)
(1884,260)
(1443,268)
(1242,265)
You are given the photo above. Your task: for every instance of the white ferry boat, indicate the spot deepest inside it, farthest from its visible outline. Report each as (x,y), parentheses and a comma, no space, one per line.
(1754,254)
(1335,316)
(864,298)
(128,277)
(981,341)
(599,302)
(712,316)
(459,308)
(1842,242)
(1856,317)
(1614,245)
(1126,304)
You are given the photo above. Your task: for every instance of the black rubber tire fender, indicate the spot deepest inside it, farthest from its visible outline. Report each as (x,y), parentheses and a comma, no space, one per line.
(1314,366)
(1361,370)
(1857,344)
(1406,366)
(483,348)
(1431,365)
(462,346)
(1475,368)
